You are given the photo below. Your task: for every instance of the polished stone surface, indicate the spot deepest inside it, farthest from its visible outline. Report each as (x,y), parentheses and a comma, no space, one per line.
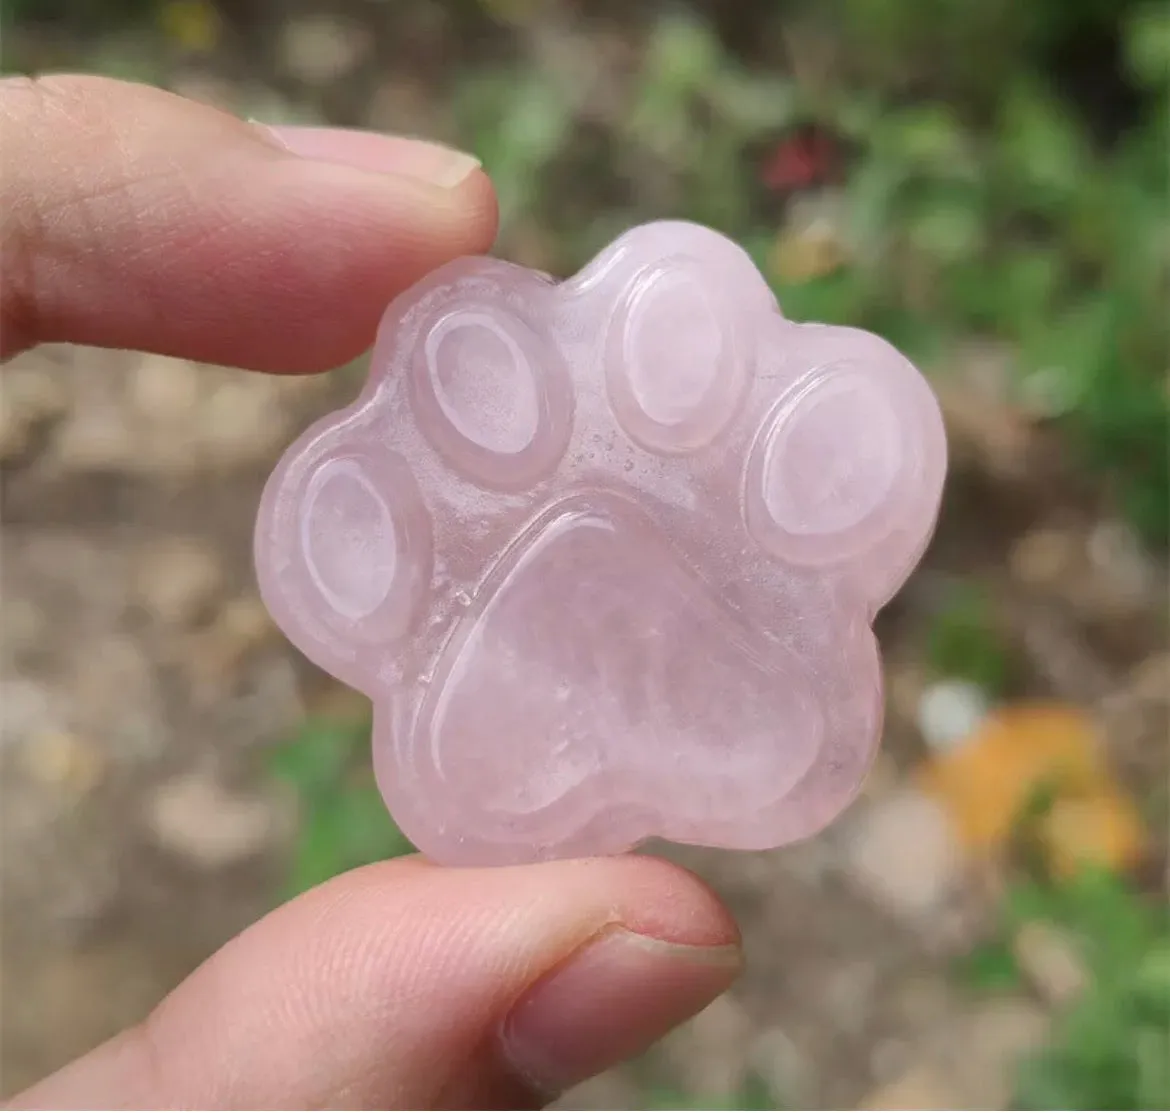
(605,553)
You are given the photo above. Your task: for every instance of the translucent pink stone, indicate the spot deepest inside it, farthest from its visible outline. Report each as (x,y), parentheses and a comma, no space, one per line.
(605,553)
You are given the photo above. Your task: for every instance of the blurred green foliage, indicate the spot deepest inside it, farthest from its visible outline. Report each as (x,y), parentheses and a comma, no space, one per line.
(1006,175)
(981,199)
(962,642)
(752,1095)
(1111,1049)
(80,15)
(344,823)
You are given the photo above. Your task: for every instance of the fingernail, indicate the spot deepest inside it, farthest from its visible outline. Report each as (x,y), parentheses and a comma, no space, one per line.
(608,1002)
(380,154)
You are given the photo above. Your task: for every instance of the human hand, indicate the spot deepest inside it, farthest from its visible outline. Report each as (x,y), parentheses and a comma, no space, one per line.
(133,218)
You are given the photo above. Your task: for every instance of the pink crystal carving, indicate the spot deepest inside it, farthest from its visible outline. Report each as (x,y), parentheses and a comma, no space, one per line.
(605,554)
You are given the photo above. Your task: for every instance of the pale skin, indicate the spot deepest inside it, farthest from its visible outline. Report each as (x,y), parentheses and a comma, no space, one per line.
(132,218)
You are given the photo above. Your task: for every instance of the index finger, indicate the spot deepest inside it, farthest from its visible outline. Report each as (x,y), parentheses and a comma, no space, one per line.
(133,218)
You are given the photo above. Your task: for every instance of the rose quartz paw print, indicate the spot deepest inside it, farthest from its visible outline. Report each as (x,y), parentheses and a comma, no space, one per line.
(605,554)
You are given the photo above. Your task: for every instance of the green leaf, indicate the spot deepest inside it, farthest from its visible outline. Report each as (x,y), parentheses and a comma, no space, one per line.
(753,104)
(1042,149)
(1025,284)
(963,643)
(872,207)
(991,966)
(926,138)
(1153,981)
(1147,45)
(682,56)
(1066,353)
(753,1095)
(836,298)
(342,831)
(1112,1050)
(319,754)
(946,224)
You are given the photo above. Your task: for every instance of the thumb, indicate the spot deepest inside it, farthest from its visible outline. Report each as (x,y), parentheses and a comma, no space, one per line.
(408,986)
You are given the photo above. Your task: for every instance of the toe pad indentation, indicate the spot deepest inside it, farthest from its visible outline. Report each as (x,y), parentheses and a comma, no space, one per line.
(824,467)
(349,539)
(363,548)
(493,398)
(676,367)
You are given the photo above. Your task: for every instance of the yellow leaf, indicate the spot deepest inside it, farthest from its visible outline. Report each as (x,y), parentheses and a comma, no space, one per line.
(1104,829)
(193,24)
(803,254)
(988,781)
